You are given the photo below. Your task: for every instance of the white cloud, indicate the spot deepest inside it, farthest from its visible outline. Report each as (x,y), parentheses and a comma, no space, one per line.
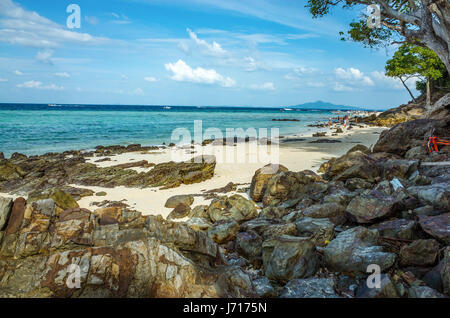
(151,79)
(391,82)
(45,56)
(120,19)
(315,84)
(63,75)
(182,72)
(27,28)
(19,73)
(124,77)
(269,86)
(91,20)
(138,91)
(353,76)
(38,85)
(339,87)
(214,48)
(3,80)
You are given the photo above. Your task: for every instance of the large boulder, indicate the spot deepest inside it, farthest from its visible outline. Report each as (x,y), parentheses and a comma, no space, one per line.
(249,244)
(261,179)
(396,228)
(309,288)
(174,201)
(355,249)
(235,207)
(289,185)
(437,226)
(399,139)
(419,253)
(289,257)
(353,165)
(437,194)
(371,207)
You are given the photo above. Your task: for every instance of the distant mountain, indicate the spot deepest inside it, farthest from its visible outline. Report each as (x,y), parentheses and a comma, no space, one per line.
(324,105)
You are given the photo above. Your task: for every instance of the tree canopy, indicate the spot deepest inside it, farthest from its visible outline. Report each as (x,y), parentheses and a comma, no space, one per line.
(420,22)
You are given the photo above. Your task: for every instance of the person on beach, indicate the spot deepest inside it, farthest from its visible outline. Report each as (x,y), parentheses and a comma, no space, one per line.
(329,123)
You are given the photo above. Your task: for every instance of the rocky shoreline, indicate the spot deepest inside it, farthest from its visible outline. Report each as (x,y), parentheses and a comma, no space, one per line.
(301,235)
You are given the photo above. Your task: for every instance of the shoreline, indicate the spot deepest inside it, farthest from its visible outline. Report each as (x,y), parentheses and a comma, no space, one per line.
(296,152)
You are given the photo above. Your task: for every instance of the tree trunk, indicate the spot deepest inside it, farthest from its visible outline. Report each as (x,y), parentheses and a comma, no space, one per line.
(407,88)
(428,94)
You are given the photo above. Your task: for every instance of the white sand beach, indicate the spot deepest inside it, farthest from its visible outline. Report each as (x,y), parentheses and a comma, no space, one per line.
(295,152)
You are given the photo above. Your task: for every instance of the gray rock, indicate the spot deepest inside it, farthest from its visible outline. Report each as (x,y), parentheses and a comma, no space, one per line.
(277,230)
(223,231)
(5,211)
(319,230)
(419,253)
(199,224)
(427,210)
(46,207)
(309,288)
(174,201)
(397,228)
(437,226)
(423,292)
(386,290)
(264,288)
(289,257)
(235,207)
(332,211)
(433,278)
(355,249)
(200,211)
(371,207)
(249,244)
(437,195)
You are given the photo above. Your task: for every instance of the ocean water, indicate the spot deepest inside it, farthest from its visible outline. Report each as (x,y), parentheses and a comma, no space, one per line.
(38,129)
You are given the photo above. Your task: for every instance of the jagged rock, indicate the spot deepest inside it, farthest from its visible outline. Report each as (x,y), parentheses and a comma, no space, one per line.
(199,224)
(249,244)
(416,153)
(2,156)
(401,138)
(258,225)
(5,210)
(62,199)
(437,194)
(396,228)
(332,211)
(361,148)
(419,253)
(437,226)
(289,185)
(264,288)
(319,230)
(398,168)
(277,230)
(357,183)
(445,271)
(261,179)
(174,201)
(272,212)
(289,257)
(386,290)
(181,211)
(355,249)
(423,292)
(16,217)
(309,288)
(371,207)
(224,231)
(200,211)
(235,207)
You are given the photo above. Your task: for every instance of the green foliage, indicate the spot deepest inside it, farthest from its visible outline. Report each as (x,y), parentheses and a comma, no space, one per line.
(413,60)
(369,37)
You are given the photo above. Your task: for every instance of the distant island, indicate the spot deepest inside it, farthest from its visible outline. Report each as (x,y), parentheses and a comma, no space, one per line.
(324,105)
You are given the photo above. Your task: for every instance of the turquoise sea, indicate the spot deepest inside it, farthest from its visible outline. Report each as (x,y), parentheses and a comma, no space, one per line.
(34,129)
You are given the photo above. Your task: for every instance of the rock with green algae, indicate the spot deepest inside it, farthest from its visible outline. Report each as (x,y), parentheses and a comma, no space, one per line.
(62,199)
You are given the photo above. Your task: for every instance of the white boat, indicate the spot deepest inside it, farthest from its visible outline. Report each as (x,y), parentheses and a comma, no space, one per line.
(288,109)
(167,107)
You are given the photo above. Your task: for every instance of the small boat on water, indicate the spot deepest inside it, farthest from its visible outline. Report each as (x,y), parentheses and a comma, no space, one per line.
(167,107)
(288,109)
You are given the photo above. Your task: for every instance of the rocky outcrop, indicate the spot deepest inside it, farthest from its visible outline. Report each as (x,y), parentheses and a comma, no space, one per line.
(235,207)
(134,257)
(261,179)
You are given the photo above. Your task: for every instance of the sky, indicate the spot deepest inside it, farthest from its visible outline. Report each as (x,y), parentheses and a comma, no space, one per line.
(187,52)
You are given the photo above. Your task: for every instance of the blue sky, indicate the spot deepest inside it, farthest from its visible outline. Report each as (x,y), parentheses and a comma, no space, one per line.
(187,52)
